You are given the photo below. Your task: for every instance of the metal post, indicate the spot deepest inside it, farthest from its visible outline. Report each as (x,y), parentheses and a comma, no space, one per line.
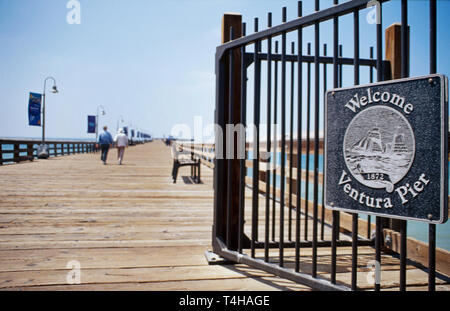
(335,227)
(283,138)
(243,112)
(299,140)
(268,139)
(432,227)
(378,220)
(316,142)
(405,74)
(43,115)
(43,105)
(256,121)
(354,275)
(96,121)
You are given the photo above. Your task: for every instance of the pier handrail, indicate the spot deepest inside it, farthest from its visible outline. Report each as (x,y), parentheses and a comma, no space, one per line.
(204,152)
(56,148)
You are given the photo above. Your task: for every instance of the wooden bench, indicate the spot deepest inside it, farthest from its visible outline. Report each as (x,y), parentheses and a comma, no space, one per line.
(184,158)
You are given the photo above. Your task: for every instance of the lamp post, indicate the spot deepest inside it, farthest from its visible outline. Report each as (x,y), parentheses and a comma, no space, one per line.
(54,90)
(120,119)
(103,112)
(42,150)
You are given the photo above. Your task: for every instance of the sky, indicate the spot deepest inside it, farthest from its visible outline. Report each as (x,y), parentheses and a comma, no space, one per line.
(151,63)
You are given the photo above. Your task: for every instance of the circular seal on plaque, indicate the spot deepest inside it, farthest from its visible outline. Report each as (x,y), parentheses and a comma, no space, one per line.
(379,147)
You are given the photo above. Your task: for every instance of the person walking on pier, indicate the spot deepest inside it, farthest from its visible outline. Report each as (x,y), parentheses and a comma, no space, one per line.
(121,141)
(105,141)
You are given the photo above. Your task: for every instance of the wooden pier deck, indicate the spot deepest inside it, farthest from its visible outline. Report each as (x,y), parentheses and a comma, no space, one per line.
(130,228)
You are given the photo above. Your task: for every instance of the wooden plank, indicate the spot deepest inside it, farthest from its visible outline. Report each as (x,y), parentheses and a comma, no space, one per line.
(418,250)
(393,50)
(268,283)
(129,274)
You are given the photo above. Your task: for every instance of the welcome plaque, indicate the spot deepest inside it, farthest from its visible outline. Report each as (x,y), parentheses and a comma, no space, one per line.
(386,149)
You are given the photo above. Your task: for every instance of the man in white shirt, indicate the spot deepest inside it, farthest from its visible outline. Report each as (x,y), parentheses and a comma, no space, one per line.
(121,141)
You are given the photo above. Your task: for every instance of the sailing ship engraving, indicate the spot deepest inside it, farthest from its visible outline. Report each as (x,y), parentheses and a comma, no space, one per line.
(379,147)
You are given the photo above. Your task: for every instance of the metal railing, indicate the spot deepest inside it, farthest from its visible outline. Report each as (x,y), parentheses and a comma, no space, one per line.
(204,152)
(283,185)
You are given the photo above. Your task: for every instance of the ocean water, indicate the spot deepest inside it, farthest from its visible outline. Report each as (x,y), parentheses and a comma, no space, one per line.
(415,229)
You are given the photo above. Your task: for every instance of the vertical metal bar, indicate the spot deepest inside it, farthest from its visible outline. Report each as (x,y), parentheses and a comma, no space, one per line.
(299,140)
(219,161)
(341,83)
(403,232)
(308,130)
(242,161)
(432,257)
(369,220)
(432,227)
(291,145)
(322,216)
(378,223)
(433,36)
(355,215)
(354,250)
(230,141)
(316,141)
(283,138)
(371,67)
(405,73)
(268,142)
(256,119)
(275,142)
(356,47)
(378,220)
(335,227)
(404,41)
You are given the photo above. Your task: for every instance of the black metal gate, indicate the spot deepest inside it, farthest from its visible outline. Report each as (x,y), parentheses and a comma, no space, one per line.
(294,86)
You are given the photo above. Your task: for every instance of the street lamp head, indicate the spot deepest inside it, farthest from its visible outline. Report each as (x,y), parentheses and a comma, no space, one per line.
(54,89)
(101,110)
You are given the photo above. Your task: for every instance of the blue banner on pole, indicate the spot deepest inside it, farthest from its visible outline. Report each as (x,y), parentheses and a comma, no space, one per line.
(91,124)
(34,109)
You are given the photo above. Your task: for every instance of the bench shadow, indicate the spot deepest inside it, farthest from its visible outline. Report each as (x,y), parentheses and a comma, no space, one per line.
(188,180)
